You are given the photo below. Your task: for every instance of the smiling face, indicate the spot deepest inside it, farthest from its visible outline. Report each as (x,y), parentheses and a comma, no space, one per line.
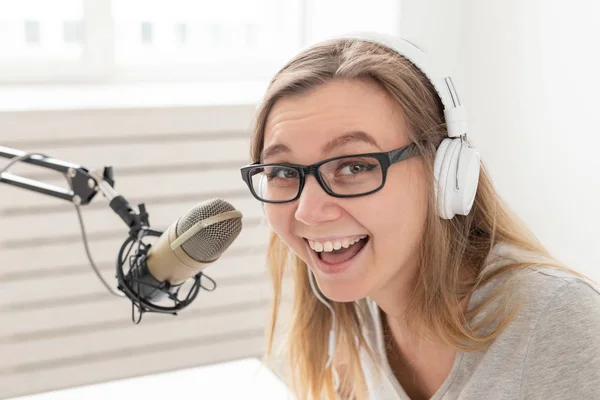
(378,235)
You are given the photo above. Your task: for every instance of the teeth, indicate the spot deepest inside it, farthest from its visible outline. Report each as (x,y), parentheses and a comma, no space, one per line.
(334,245)
(316,246)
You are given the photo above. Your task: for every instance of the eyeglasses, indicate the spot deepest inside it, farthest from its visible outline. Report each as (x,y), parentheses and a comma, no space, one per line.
(346,176)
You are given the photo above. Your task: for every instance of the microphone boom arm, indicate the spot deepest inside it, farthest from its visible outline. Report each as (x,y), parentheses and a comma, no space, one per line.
(79,176)
(84,183)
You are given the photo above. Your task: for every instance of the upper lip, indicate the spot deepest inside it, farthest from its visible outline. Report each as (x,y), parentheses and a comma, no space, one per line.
(331,238)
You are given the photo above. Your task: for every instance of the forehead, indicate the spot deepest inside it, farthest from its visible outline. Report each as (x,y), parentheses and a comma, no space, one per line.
(306,122)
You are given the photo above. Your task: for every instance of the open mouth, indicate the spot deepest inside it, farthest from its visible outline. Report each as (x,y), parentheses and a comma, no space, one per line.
(343,253)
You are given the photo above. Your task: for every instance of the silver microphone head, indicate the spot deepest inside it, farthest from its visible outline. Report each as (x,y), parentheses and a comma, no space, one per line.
(210,242)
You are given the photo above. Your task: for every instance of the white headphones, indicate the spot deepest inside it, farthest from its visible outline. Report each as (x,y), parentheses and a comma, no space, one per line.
(457,165)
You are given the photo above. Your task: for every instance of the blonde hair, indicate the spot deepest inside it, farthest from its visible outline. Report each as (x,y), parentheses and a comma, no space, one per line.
(451,259)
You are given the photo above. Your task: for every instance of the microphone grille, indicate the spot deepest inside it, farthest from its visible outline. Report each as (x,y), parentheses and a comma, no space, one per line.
(209,243)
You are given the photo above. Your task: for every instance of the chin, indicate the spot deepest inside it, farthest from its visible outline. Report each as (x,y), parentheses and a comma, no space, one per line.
(342,290)
(343,297)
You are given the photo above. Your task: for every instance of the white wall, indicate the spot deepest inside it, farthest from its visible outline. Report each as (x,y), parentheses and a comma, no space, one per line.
(529,74)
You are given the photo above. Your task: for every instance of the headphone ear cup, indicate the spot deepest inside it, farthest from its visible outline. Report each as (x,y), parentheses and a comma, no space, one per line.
(454,197)
(441,168)
(468,174)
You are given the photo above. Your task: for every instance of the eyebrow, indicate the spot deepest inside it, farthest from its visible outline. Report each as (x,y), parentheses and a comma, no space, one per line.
(349,137)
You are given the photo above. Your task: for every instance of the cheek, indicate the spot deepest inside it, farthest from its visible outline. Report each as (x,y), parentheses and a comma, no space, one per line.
(280,218)
(277,219)
(403,210)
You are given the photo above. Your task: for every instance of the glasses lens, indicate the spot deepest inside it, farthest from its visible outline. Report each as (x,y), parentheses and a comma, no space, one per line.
(352,175)
(275,182)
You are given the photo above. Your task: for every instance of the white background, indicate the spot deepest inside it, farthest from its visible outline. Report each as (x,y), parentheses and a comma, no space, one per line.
(530,77)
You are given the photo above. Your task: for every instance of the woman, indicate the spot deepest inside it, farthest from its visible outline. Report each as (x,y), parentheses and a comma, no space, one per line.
(411,279)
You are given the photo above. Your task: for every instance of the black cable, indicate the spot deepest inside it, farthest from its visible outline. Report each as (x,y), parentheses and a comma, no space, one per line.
(27,156)
(87,248)
(127,282)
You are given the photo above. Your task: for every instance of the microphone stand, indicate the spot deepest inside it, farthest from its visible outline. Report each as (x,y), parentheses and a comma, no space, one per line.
(84,184)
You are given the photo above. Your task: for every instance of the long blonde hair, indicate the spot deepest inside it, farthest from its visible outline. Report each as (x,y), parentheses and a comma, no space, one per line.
(452,256)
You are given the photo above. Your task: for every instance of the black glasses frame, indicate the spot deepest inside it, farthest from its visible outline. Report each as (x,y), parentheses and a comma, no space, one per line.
(386,159)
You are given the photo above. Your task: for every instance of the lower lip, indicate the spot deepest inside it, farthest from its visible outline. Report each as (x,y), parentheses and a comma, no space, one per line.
(333,269)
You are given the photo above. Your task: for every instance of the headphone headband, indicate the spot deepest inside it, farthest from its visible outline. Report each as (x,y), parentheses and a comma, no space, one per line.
(454,112)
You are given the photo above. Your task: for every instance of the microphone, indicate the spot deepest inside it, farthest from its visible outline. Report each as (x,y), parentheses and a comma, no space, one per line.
(156,272)
(189,245)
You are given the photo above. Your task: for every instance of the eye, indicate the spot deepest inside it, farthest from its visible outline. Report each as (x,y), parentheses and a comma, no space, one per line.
(355,167)
(281,173)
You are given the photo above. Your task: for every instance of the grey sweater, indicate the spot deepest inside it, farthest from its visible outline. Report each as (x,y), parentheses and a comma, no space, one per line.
(550,351)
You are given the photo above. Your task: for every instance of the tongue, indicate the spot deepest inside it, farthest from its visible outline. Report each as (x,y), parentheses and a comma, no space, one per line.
(341,255)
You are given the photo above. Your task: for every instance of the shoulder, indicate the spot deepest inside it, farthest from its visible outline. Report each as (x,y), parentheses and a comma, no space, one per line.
(552,300)
(558,303)
(571,306)
(562,357)
(555,293)
(567,285)
(542,285)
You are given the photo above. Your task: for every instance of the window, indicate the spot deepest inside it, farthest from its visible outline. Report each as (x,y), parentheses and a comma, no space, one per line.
(73,33)
(32,33)
(40,31)
(152,40)
(146,32)
(181,33)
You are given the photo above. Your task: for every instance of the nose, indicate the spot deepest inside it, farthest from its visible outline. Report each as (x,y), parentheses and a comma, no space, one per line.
(315,206)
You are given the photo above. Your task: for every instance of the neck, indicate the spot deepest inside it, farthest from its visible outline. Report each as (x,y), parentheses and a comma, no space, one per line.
(420,363)
(393,297)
